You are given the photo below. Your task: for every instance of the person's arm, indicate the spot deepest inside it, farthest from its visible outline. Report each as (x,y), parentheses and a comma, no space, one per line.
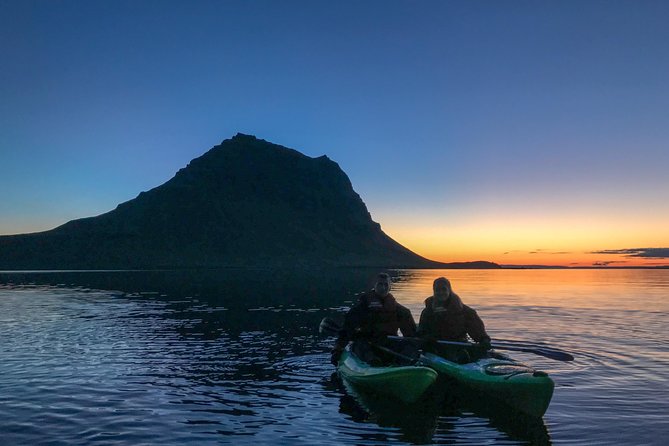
(423,328)
(475,327)
(406,322)
(351,322)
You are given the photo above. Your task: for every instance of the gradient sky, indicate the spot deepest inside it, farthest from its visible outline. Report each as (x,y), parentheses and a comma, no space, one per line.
(520,132)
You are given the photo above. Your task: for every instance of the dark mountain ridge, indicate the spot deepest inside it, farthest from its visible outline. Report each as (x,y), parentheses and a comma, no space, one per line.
(246,202)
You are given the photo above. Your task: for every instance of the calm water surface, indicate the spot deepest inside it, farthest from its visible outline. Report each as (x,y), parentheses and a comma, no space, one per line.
(233,357)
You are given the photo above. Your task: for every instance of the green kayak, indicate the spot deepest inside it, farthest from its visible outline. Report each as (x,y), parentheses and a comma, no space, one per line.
(499,377)
(405,383)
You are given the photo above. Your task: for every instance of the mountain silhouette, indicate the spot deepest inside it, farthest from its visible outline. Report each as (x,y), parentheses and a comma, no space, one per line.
(244,203)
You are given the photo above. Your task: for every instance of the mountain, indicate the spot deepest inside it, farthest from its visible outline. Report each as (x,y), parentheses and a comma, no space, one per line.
(246,202)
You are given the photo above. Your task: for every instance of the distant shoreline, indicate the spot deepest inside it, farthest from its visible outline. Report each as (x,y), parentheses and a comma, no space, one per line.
(249,268)
(581,267)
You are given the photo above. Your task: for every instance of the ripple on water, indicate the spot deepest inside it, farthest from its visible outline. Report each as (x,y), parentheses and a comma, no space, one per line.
(80,366)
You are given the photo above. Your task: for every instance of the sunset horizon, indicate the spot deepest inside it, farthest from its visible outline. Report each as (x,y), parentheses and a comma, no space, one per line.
(466,139)
(260,222)
(566,242)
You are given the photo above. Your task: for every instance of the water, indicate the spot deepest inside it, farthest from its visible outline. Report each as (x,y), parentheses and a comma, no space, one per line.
(233,357)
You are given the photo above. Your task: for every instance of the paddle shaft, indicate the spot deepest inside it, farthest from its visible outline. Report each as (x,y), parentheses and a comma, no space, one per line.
(393,352)
(330,326)
(546,353)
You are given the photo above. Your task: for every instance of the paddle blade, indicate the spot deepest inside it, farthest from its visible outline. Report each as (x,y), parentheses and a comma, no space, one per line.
(328,327)
(543,350)
(551,354)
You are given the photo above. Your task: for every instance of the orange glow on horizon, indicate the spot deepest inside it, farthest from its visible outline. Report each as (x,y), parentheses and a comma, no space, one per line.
(552,242)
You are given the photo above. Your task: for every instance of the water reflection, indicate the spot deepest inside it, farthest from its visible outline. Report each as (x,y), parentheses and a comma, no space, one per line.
(439,416)
(234,356)
(416,422)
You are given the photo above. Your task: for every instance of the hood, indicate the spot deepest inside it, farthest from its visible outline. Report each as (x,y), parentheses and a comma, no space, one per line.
(454,302)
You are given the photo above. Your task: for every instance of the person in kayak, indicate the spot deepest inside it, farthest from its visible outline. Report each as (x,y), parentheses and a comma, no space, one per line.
(446,318)
(374,316)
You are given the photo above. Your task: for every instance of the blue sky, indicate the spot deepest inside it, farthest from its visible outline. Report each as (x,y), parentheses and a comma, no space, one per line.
(449,117)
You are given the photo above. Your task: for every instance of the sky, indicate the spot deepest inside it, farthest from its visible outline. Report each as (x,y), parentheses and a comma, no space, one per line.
(519,132)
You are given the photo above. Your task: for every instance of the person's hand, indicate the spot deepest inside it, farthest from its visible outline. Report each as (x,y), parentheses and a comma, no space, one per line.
(335,356)
(358,334)
(485,344)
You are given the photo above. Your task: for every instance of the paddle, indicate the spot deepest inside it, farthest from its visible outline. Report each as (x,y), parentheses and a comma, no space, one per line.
(523,344)
(537,350)
(330,327)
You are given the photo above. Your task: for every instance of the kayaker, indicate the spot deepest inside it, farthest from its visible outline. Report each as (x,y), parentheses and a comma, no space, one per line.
(374,316)
(445,317)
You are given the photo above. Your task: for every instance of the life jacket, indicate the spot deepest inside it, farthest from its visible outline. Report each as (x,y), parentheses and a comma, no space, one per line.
(449,321)
(377,315)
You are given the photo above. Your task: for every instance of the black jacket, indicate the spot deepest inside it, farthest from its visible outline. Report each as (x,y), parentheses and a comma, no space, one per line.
(453,322)
(374,316)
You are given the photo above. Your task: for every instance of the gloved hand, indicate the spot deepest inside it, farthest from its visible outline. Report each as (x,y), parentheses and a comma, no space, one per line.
(358,334)
(335,355)
(485,343)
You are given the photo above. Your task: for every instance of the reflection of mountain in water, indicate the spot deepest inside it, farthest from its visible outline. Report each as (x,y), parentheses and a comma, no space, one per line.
(246,202)
(219,302)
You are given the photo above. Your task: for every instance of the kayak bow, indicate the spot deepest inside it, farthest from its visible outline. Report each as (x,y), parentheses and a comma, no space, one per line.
(406,383)
(499,377)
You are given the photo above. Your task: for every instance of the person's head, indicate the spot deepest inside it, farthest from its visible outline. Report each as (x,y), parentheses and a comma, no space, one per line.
(442,288)
(382,286)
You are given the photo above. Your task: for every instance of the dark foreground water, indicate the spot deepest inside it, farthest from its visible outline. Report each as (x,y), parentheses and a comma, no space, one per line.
(234,357)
